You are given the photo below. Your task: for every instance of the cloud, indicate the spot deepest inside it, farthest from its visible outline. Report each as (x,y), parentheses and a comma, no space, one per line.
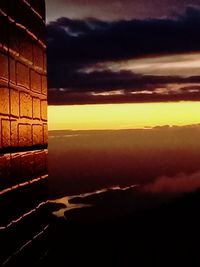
(109,80)
(62,97)
(75,45)
(122,87)
(93,40)
(181,183)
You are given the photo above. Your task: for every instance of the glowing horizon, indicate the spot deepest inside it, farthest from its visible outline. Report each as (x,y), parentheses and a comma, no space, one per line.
(123,116)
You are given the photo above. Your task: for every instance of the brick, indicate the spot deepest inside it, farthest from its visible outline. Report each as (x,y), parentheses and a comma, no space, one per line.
(40,163)
(3,167)
(4,101)
(36,26)
(44,110)
(36,82)
(15,167)
(26,47)
(5,133)
(45,61)
(0,136)
(25,135)
(45,134)
(14,102)
(12,71)
(4,31)
(36,108)
(14,134)
(14,39)
(4,171)
(25,105)
(46,158)
(44,85)
(27,166)
(37,135)
(3,66)
(38,56)
(22,75)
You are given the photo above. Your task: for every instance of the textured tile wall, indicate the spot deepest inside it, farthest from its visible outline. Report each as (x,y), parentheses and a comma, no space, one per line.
(23,121)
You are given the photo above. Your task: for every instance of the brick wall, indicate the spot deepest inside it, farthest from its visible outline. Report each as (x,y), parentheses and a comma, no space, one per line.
(23,122)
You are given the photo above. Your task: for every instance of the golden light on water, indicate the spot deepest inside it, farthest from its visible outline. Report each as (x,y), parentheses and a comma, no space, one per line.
(123,116)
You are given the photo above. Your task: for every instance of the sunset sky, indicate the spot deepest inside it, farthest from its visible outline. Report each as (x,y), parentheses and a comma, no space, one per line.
(110,53)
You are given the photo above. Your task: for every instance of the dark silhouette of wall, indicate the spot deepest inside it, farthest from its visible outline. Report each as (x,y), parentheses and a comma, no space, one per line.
(23,126)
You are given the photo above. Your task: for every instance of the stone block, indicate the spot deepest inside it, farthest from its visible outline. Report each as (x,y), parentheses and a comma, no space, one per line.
(44,85)
(27,166)
(4,31)
(36,108)
(26,47)
(15,167)
(14,38)
(36,82)
(44,110)
(4,101)
(25,105)
(4,171)
(45,61)
(5,133)
(45,133)
(22,75)
(14,138)
(40,160)
(12,71)
(14,102)
(25,135)
(3,66)
(37,134)
(38,56)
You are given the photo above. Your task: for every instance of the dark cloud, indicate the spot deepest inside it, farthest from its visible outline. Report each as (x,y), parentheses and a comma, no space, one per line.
(89,41)
(76,44)
(83,88)
(78,26)
(193,88)
(103,81)
(57,97)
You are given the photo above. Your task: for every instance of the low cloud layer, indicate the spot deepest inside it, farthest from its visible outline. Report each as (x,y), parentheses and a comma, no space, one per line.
(181,183)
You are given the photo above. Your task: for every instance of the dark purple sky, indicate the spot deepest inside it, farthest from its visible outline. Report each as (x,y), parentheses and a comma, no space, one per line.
(115,9)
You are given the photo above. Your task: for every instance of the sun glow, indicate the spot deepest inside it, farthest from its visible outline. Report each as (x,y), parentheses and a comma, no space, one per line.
(123,116)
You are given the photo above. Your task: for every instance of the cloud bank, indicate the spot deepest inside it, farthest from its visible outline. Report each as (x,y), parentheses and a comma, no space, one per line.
(181,183)
(75,45)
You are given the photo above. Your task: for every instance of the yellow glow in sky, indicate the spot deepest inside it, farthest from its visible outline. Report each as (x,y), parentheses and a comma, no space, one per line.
(123,116)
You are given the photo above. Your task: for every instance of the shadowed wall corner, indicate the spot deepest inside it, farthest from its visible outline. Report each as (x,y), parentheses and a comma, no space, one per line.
(23,127)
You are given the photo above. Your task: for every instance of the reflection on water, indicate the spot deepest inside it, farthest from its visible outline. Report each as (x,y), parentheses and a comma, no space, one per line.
(68,201)
(118,200)
(65,200)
